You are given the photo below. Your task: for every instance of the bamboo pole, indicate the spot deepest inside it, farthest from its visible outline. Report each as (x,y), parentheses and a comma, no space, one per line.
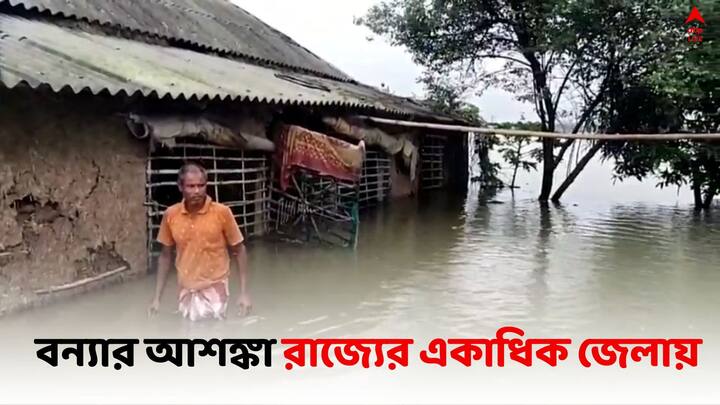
(517,132)
(6,254)
(150,205)
(233,159)
(82,282)
(212,171)
(243,191)
(212,183)
(215,175)
(202,146)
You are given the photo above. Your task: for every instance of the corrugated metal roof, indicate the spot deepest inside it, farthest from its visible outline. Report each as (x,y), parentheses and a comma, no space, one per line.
(214,24)
(38,53)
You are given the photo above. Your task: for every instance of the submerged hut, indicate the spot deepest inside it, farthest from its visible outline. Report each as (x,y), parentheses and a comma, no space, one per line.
(102,101)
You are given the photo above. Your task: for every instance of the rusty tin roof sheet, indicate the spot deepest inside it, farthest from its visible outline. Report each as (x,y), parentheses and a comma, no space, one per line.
(212,24)
(39,53)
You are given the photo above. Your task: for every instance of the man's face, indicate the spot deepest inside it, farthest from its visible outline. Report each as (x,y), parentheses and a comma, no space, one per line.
(194,187)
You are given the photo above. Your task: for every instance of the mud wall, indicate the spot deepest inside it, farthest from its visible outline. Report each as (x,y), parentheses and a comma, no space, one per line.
(72,188)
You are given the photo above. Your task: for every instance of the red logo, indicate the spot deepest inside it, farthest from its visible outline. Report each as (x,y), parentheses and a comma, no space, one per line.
(695,32)
(695,16)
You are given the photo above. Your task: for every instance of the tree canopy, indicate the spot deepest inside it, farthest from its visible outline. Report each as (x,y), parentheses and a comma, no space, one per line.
(679,93)
(564,57)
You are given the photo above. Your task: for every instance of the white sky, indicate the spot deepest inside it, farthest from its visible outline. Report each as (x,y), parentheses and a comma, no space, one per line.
(326,28)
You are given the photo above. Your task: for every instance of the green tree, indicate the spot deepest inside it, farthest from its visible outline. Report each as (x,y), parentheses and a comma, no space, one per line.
(489,176)
(679,94)
(448,94)
(548,47)
(514,151)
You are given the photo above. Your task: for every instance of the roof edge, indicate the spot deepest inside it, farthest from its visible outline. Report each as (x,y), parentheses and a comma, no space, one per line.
(189,44)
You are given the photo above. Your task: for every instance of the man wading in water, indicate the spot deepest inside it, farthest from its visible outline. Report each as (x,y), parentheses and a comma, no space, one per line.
(201,230)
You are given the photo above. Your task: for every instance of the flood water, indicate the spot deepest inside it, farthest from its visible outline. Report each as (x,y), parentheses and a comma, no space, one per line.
(623,261)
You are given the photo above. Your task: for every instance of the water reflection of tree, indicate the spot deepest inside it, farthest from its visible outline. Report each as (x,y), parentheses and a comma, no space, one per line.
(538,288)
(651,240)
(504,248)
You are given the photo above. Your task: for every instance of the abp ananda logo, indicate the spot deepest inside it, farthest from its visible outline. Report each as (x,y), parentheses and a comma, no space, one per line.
(697,23)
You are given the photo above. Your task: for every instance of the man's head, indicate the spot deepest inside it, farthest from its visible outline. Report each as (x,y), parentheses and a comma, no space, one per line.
(192,181)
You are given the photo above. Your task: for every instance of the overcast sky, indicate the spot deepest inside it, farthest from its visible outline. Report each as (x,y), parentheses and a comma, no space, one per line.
(326,28)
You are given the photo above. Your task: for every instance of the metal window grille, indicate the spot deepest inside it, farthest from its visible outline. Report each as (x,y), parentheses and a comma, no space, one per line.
(432,170)
(375,180)
(236,178)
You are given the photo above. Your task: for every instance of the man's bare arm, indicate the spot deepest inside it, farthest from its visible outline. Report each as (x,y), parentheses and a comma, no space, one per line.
(239,252)
(164,263)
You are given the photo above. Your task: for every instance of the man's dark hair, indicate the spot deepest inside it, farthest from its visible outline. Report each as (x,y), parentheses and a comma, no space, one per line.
(191,167)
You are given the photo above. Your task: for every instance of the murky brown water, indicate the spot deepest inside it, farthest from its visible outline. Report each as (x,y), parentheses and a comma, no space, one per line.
(451,267)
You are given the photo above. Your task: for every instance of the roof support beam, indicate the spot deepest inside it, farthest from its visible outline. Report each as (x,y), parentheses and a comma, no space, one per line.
(538,134)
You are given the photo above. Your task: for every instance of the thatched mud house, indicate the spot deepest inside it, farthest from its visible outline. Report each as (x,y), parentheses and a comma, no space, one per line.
(101,102)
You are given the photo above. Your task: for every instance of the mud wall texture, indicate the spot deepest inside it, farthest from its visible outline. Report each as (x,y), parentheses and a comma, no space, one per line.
(72,188)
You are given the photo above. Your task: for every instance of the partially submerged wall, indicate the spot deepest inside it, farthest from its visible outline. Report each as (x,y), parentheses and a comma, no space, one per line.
(72,188)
